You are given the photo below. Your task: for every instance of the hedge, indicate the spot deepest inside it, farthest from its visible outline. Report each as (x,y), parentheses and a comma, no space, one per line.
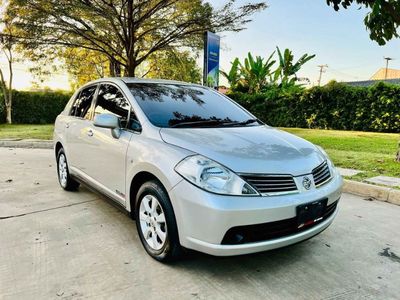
(334,106)
(35,107)
(2,110)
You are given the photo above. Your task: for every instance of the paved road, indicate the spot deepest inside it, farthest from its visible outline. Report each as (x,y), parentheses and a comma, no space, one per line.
(60,245)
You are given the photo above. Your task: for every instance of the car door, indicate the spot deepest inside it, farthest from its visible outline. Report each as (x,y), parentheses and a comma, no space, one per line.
(79,130)
(108,163)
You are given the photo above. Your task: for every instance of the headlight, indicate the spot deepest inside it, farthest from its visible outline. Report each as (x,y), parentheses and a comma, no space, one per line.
(213,177)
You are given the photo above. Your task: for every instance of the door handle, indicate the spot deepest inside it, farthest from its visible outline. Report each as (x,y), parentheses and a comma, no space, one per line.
(66,125)
(90,132)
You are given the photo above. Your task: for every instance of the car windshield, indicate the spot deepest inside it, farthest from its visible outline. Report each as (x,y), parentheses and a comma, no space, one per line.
(188,106)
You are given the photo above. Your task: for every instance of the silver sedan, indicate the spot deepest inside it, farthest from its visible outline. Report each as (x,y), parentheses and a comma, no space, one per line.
(193,168)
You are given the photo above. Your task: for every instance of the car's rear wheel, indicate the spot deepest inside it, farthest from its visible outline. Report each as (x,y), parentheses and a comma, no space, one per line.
(64,178)
(155,222)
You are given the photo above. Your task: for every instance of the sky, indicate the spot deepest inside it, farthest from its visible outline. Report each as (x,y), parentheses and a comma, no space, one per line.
(339,39)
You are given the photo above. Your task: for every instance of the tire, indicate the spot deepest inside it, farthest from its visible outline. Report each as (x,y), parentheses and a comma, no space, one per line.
(155,222)
(65,180)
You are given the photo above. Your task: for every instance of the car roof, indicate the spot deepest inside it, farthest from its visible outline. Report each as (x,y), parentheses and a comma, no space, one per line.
(138,80)
(149,80)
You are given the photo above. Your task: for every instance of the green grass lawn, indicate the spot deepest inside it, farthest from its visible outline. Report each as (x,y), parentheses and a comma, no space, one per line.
(368,151)
(22,131)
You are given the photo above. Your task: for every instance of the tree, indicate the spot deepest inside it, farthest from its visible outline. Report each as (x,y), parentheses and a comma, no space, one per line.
(7,45)
(383,19)
(174,65)
(127,32)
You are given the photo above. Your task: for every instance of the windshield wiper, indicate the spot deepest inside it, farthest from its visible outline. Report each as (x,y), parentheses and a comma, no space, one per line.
(202,123)
(249,121)
(220,123)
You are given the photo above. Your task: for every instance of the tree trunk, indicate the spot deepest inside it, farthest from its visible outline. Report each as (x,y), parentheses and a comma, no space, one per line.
(398,154)
(115,68)
(8,104)
(112,72)
(130,69)
(8,116)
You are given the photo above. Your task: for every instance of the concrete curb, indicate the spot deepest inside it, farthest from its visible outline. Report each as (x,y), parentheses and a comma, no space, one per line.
(15,143)
(380,193)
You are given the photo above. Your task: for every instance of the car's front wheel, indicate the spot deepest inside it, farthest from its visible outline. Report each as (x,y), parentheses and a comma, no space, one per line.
(155,222)
(64,178)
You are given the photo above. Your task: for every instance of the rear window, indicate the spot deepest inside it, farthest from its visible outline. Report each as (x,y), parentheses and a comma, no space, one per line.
(167,105)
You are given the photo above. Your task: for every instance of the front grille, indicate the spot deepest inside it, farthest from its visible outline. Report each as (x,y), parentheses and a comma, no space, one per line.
(321,174)
(270,230)
(266,184)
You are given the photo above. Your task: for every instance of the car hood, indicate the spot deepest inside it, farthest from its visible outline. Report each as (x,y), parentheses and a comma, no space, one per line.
(251,149)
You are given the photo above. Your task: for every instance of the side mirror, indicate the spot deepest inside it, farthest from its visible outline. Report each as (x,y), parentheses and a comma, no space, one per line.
(108,121)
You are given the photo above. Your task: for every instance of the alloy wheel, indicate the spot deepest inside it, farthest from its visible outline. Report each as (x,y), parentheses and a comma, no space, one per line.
(62,170)
(152,222)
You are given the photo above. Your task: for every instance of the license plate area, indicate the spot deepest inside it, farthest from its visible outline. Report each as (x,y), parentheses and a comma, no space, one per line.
(310,213)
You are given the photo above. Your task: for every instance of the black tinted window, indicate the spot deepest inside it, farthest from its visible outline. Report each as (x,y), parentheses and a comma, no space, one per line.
(110,100)
(167,105)
(81,107)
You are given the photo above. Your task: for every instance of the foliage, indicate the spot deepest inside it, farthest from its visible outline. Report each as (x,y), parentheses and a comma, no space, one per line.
(256,74)
(2,110)
(37,107)
(174,65)
(126,32)
(382,20)
(233,76)
(288,68)
(334,106)
(84,65)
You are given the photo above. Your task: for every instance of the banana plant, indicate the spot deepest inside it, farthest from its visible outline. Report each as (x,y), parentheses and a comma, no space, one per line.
(255,72)
(288,68)
(233,76)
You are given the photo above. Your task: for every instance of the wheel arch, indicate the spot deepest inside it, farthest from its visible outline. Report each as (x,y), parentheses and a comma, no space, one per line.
(58,147)
(136,182)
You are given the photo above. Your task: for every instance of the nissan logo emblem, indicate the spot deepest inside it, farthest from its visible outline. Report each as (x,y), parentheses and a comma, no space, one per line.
(306,183)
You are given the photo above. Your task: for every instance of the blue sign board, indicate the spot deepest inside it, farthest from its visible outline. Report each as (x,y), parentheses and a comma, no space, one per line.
(211,60)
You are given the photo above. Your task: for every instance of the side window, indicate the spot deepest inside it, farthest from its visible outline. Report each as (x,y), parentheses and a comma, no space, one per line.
(81,107)
(110,100)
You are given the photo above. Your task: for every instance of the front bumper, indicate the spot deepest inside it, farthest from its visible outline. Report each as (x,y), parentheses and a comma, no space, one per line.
(204,218)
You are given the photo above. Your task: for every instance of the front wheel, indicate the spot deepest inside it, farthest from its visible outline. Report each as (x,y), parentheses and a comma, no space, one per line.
(64,178)
(155,222)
